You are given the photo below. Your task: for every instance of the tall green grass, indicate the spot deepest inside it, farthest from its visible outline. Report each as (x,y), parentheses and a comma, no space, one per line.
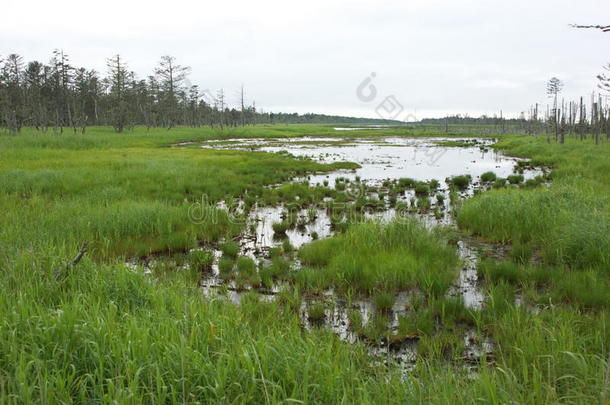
(568,221)
(372,256)
(560,236)
(109,334)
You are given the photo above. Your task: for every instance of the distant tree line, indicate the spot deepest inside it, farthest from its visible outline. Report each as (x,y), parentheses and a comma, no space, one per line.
(57,96)
(587,116)
(459,119)
(309,118)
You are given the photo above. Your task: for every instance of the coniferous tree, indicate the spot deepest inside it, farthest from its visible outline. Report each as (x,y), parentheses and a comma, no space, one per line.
(171,78)
(118,81)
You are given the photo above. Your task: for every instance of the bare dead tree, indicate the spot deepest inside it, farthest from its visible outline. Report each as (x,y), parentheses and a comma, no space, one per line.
(604,80)
(553,88)
(220,100)
(241,99)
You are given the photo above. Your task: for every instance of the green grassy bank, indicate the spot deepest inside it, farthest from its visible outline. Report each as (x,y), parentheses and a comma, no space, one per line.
(106,334)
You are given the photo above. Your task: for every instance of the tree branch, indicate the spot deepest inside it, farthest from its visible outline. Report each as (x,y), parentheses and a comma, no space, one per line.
(605,28)
(59,273)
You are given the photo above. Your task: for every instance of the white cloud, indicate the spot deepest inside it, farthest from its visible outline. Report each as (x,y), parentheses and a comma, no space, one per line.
(436,56)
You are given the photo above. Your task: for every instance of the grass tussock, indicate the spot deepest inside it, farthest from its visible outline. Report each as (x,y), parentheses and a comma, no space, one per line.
(460,182)
(201,260)
(488,177)
(371,257)
(570,224)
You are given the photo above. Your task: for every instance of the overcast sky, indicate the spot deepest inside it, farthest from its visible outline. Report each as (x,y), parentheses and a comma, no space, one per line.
(434,57)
